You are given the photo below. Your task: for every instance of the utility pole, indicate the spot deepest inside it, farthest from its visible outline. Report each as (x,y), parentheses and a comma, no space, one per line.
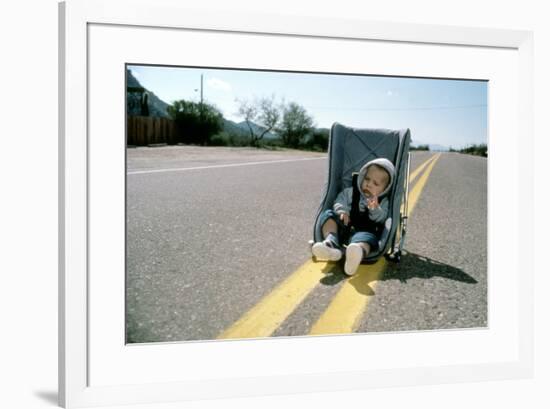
(196,89)
(201,106)
(201,90)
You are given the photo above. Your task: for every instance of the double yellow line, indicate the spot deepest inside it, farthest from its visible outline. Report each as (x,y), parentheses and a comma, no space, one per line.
(346,309)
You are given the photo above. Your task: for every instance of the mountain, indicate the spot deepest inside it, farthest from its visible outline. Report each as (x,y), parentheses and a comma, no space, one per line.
(241,129)
(134,92)
(258,129)
(131,81)
(233,128)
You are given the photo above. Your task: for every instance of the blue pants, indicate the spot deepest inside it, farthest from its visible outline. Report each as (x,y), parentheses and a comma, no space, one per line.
(345,233)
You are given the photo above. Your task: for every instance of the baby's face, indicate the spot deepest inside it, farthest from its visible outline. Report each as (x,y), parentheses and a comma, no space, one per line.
(375,181)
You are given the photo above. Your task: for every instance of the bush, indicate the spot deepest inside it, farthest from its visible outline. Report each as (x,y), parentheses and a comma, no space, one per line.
(219,140)
(196,123)
(274,144)
(420,148)
(318,140)
(477,150)
(229,139)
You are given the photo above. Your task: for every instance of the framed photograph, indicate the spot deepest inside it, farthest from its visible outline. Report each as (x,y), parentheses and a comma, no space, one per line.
(199,157)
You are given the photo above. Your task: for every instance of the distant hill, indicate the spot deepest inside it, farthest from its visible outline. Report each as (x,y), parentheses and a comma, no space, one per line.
(233,128)
(157,107)
(241,129)
(433,146)
(257,129)
(438,148)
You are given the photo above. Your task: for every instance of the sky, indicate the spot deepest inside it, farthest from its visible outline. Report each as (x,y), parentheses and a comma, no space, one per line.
(437,111)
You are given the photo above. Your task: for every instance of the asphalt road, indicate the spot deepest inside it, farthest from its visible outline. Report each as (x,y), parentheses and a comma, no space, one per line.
(212,231)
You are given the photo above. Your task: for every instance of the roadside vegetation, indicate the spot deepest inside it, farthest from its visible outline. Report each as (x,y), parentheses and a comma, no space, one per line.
(477,150)
(266,124)
(419,147)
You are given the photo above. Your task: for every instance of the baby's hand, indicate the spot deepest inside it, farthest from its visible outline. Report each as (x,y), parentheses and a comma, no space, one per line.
(345,218)
(372,202)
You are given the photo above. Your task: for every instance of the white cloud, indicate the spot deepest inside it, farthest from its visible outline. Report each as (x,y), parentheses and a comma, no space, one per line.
(389,93)
(218,84)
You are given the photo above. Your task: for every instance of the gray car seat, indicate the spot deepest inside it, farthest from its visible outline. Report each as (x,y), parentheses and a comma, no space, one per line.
(349,149)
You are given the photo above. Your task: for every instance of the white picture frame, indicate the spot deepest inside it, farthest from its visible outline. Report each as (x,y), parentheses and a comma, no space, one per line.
(77,19)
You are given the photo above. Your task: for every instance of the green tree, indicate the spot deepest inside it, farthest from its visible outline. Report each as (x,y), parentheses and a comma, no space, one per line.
(295,125)
(195,122)
(478,150)
(261,116)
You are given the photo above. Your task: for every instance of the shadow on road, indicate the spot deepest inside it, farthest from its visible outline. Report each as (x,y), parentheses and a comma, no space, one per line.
(411,266)
(334,273)
(417,266)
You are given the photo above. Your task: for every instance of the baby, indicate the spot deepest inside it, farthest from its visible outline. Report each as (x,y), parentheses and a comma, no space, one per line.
(360,218)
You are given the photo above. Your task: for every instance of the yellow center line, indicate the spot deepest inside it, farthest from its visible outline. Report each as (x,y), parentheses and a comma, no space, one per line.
(268,314)
(419,169)
(346,309)
(415,192)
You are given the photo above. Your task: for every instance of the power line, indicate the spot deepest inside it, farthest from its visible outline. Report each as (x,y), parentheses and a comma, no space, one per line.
(401,109)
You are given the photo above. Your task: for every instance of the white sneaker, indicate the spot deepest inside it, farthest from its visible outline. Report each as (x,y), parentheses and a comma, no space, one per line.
(324,251)
(354,256)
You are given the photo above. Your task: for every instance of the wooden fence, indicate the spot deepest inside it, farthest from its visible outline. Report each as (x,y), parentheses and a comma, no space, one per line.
(145,130)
